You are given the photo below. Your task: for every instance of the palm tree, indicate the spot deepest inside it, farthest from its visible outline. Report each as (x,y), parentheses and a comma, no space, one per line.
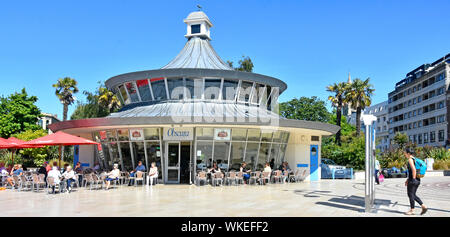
(358,95)
(339,90)
(108,99)
(65,88)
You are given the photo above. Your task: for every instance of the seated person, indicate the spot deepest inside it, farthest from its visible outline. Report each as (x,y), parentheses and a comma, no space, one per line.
(79,171)
(113,175)
(97,167)
(55,164)
(64,168)
(140,167)
(246,171)
(153,173)
(267,169)
(69,176)
(214,168)
(56,175)
(17,171)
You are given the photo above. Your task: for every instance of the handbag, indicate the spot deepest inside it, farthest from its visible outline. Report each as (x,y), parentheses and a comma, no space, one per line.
(381,178)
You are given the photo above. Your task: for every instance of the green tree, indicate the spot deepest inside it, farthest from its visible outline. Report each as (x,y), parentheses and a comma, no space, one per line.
(108,99)
(100,103)
(65,89)
(359,95)
(18,113)
(337,100)
(401,139)
(245,64)
(310,109)
(33,156)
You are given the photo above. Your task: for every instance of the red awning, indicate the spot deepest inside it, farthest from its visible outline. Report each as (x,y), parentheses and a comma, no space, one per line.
(4,144)
(17,143)
(60,139)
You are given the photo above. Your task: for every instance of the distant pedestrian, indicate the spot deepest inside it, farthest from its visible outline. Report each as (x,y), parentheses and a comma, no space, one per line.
(377,171)
(412,183)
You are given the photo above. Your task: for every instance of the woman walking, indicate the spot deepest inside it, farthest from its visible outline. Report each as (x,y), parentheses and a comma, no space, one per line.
(412,183)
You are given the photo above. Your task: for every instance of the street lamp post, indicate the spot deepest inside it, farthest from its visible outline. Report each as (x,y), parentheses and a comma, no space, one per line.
(368,121)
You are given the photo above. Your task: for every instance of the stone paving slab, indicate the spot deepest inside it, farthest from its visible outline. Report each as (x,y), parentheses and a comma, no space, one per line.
(322,198)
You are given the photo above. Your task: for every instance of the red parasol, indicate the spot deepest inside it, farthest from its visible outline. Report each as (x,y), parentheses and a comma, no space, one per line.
(60,139)
(14,144)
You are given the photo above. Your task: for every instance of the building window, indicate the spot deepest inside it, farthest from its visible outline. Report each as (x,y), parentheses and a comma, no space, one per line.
(419,139)
(441,135)
(245,91)
(144,89)
(212,89)
(229,89)
(159,88)
(433,136)
(132,91)
(195,29)
(440,77)
(441,119)
(425,138)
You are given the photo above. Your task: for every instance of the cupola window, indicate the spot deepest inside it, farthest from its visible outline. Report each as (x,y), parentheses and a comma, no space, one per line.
(195,29)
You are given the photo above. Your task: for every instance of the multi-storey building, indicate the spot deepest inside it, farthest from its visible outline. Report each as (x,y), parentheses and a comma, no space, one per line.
(380,111)
(419,105)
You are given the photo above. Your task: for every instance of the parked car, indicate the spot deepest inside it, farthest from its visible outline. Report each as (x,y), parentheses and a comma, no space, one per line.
(340,172)
(394,172)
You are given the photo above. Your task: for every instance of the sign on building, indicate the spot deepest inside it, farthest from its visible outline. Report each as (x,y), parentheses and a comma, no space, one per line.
(222,134)
(178,134)
(136,134)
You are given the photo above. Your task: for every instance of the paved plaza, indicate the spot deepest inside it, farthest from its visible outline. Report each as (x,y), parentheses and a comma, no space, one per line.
(322,198)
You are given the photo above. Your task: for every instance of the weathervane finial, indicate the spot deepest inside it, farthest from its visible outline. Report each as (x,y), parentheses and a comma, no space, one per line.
(199,7)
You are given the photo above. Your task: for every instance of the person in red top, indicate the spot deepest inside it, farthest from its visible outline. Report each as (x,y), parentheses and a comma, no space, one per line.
(48,167)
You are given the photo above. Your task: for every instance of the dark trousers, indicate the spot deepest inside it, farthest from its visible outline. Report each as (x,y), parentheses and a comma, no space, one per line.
(376,177)
(69,183)
(412,189)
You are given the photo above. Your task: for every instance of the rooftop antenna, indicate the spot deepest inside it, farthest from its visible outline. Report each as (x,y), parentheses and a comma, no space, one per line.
(199,7)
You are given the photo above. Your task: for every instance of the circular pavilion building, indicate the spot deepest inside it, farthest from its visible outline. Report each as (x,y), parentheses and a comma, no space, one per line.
(194,111)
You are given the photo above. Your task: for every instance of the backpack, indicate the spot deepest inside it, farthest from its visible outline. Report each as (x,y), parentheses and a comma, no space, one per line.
(421,167)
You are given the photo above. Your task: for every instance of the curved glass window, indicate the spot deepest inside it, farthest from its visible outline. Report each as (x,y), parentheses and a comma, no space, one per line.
(132,91)
(126,156)
(176,88)
(245,91)
(159,88)
(221,150)
(111,135)
(154,155)
(139,153)
(144,90)
(237,155)
(204,155)
(256,95)
(266,136)
(194,88)
(124,94)
(229,89)
(254,135)
(263,155)
(239,134)
(274,151)
(251,154)
(151,133)
(277,136)
(123,134)
(212,89)
(205,133)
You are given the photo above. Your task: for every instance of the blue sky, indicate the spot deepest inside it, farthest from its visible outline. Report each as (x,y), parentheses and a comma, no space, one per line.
(307,44)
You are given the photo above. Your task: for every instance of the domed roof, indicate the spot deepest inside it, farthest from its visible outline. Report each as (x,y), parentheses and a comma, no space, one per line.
(196,15)
(198,53)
